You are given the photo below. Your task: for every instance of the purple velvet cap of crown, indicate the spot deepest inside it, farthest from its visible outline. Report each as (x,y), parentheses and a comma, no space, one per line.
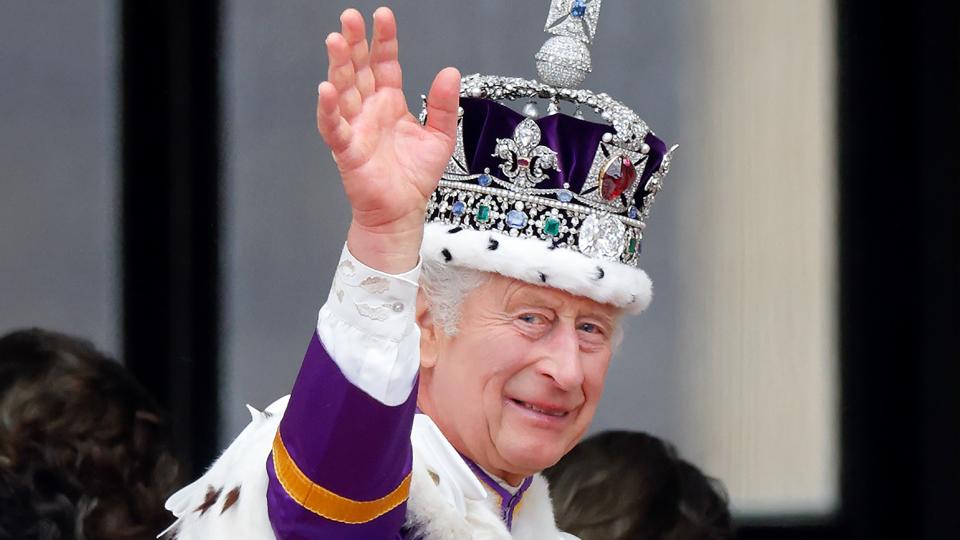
(574,140)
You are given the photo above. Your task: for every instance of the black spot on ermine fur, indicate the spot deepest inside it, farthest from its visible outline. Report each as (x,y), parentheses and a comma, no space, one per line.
(543,277)
(494,244)
(209,500)
(600,273)
(455,230)
(446,255)
(232,497)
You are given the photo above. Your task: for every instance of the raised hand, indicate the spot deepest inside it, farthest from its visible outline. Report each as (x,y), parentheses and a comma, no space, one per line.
(389,163)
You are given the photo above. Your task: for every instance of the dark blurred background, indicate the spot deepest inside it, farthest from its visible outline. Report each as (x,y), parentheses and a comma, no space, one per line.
(165,195)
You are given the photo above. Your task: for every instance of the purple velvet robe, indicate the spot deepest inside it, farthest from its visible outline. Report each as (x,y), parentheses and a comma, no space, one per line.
(348,443)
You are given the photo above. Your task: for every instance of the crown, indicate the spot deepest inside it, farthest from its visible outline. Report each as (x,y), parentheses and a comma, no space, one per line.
(576,185)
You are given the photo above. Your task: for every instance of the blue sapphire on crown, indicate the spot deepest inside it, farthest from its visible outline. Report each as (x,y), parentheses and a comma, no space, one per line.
(578,9)
(516,219)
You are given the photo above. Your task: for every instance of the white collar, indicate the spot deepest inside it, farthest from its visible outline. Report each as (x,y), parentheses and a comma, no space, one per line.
(442,458)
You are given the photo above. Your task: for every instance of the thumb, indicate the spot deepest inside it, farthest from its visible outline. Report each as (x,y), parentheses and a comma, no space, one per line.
(443,102)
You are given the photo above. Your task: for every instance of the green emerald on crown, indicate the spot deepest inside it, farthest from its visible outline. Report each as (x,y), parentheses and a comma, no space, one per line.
(483,213)
(551,226)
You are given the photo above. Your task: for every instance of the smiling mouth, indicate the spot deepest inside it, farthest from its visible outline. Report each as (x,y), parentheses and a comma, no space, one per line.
(556,413)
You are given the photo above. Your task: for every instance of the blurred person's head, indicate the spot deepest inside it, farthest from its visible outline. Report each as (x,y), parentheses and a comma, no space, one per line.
(84,451)
(620,485)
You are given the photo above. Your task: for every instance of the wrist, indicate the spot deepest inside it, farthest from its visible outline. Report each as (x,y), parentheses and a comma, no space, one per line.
(391,249)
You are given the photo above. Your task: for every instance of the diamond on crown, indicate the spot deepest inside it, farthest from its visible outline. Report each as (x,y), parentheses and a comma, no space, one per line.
(629,129)
(602,236)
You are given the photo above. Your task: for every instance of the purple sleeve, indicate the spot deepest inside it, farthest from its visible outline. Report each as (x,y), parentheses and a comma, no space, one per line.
(348,448)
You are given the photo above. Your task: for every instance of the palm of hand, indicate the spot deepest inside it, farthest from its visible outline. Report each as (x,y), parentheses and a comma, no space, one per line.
(389,163)
(393,163)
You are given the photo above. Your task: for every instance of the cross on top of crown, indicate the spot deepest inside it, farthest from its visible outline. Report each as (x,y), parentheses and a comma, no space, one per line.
(574,18)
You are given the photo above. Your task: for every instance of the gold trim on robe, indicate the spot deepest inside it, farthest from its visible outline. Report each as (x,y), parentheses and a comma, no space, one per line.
(326,503)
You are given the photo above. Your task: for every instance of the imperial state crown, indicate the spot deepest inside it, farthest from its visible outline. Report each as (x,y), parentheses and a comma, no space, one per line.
(554,200)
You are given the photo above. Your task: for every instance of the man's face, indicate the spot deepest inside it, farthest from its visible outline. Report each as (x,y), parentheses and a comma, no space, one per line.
(518,385)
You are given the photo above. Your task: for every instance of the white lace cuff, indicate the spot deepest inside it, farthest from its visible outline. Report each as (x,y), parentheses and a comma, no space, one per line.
(368,327)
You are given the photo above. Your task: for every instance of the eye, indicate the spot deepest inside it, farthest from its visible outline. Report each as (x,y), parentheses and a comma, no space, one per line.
(593,334)
(590,328)
(532,318)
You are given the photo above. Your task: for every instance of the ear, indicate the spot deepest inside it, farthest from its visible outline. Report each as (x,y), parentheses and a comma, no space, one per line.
(428,332)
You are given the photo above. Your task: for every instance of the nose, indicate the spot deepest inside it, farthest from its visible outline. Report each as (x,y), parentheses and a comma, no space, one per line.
(561,357)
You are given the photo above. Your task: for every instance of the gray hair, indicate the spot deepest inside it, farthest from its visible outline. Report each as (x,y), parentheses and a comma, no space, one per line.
(446,286)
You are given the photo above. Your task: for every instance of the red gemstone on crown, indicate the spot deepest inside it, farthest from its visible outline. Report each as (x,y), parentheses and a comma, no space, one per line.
(618,175)
(523,162)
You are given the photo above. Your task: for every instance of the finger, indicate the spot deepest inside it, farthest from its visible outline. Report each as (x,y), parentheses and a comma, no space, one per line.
(341,75)
(334,129)
(443,103)
(384,50)
(354,31)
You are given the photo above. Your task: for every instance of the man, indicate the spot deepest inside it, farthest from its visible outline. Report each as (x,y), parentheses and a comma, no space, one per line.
(454,361)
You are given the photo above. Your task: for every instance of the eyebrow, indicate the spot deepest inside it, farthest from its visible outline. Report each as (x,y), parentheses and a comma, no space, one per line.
(526,293)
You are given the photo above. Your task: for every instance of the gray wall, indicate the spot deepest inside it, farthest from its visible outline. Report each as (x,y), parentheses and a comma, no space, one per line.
(57,168)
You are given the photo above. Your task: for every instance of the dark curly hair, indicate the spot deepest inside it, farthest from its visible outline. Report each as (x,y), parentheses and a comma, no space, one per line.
(621,485)
(84,451)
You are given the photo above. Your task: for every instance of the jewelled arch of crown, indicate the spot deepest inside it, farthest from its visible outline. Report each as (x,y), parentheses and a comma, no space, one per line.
(600,221)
